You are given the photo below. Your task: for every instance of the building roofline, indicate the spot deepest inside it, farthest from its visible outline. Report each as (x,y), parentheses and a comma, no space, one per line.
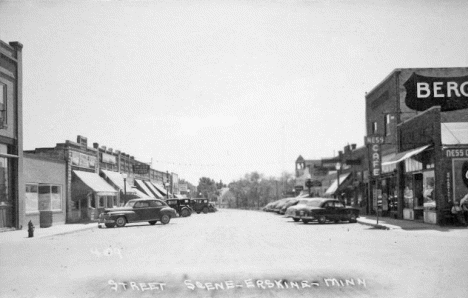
(398,70)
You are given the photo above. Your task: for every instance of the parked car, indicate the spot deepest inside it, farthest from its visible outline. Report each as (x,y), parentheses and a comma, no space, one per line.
(278,204)
(323,210)
(182,206)
(137,210)
(292,202)
(200,205)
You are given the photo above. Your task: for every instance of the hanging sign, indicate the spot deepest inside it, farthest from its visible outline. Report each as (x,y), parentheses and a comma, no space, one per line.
(375,157)
(450,93)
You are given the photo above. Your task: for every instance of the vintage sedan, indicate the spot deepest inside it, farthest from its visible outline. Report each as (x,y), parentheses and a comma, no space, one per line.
(182,206)
(323,210)
(302,203)
(137,210)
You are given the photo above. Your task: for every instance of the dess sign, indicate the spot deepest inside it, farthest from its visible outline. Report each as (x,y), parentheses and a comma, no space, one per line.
(450,93)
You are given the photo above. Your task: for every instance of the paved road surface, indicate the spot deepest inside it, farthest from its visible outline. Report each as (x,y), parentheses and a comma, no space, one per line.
(235,253)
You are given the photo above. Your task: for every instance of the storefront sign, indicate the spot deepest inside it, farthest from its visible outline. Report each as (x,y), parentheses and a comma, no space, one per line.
(375,159)
(107,158)
(374,139)
(84,161)
(458,152)
(182,187)
(450,93)
(141,169)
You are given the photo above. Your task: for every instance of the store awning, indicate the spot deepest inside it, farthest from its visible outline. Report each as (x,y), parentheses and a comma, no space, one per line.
(161,189)
(96,183)
(405,155)
(142,187)
(117,179)
(334,186)
(141,194)
(151,187)
(454,133)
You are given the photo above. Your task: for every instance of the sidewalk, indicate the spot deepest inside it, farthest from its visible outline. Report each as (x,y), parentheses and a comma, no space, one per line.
(387,223)
(62,229)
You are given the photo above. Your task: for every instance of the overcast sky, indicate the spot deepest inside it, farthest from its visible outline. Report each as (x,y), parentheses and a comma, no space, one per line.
(219,88)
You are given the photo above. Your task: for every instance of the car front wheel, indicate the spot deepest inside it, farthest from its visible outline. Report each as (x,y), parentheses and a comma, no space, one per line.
(296,219)
(322,219)
(120,221)
(352,218)
(205,210)
(306,221)
(185,213)
(165,219)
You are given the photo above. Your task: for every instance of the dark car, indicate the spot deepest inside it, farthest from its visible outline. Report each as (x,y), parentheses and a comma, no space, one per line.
(182,206)
(137,210)
(200,205)
(275,207)
(323,210)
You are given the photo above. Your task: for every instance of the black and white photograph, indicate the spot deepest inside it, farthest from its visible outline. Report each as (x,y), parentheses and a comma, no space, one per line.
(233,148)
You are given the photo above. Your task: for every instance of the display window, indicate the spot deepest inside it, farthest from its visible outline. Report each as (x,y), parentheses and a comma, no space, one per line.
(32,198)
(408,192)
(49,197)
(428,190)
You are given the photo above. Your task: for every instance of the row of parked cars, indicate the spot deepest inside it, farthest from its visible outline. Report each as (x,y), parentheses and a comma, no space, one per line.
(153,210)
(308,209)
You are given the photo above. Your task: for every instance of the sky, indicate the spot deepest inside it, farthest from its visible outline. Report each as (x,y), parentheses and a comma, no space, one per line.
(219,88)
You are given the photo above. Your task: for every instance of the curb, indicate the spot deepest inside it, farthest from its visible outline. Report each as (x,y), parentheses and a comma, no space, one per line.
(69,232)
(382,227)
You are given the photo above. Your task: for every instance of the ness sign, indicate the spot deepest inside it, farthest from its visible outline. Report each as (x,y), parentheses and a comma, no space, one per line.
(450,93)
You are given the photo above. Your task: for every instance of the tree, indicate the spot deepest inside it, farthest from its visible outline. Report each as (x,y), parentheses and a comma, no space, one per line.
(207,188)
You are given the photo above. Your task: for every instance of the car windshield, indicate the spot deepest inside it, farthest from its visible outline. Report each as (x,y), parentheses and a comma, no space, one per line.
(130,204)
(314,203)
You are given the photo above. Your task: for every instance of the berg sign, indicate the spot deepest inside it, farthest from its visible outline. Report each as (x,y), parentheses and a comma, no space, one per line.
(450,93)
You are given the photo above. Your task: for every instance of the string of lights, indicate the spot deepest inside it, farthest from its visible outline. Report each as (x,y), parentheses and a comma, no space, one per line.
(217,164)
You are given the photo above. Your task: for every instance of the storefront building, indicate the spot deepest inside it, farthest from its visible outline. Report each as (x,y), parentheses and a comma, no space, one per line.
(417,111)
(45,200)
(99,177)
(11,137)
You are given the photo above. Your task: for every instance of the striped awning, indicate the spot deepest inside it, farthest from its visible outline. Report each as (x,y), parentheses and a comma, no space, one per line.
(96,183)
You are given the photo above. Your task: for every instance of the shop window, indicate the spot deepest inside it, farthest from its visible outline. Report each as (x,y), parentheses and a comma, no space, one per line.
(3,102)
(387,124)
(32,198)
(101,202)
(428,190)
(56,197)
(408,193)
(374,127)
(44,198)
(92,202)
(110,202)
(50,197)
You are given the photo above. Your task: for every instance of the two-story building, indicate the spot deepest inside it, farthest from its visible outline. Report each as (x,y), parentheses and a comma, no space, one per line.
(11,136)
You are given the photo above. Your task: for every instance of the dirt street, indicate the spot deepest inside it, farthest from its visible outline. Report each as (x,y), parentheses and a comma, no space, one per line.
(235,253)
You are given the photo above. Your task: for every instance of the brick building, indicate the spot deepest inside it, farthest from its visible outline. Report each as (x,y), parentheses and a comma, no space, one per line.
(11,136)
(413,179)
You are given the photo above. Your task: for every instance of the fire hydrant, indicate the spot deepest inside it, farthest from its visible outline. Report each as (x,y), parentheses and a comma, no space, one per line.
(30,229)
